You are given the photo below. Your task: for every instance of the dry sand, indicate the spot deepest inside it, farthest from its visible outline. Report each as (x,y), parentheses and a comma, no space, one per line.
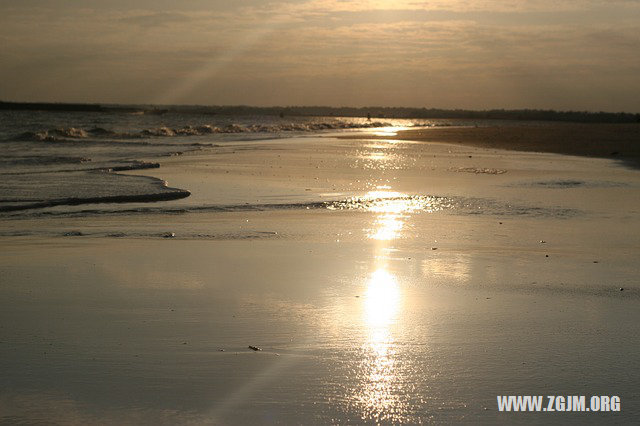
(463,274)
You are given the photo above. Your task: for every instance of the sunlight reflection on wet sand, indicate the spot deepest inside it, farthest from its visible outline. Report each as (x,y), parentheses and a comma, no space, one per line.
(379,397)
(393,210)
(390,221)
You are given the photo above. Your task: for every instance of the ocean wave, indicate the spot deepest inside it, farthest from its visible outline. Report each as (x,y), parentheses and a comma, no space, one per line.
(27,191)
(10,205)
(54,134)
(35,137)
(71,133)
(133,165)
(259,128)
(416,204)
(120,166)
(99,131)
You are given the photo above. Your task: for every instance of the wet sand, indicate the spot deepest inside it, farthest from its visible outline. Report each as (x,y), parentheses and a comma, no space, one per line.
(455,274)
(617,141)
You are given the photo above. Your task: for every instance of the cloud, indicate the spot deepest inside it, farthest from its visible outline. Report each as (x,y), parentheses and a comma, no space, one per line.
(333,6)
(241,55)
(156,19)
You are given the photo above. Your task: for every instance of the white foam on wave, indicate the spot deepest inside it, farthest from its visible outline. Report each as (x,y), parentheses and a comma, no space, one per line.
(60,134)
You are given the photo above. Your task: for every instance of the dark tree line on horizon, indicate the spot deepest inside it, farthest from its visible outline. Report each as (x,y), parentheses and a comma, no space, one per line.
(377,112)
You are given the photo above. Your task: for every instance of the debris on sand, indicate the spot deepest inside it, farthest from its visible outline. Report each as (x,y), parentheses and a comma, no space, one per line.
(73,234)
(478,170)
(254,348)
(169,235)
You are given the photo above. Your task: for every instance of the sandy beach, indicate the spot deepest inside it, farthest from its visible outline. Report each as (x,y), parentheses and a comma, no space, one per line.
(384,278)
(616,141)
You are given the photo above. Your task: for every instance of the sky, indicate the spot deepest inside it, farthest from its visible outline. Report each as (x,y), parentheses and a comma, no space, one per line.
(472,54)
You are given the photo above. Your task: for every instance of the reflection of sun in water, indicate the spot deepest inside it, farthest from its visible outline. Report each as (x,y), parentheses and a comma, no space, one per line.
(381,302)
(392,207)
(389,131)
(379,397)
(388,227)
(383,391)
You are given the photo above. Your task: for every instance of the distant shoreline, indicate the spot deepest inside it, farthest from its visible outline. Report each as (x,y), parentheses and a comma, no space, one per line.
(615,141)
(306,111)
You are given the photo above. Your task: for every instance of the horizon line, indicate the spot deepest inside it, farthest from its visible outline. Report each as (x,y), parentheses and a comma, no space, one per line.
(328,107)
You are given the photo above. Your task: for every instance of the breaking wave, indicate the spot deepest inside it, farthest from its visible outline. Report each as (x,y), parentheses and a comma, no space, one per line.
(71,188)
(66,133)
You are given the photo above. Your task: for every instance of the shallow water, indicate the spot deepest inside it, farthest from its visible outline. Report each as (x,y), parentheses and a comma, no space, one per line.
(69,158)
(76,152)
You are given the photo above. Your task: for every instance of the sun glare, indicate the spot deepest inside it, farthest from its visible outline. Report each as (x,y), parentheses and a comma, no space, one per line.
(393,208)
(378,396)
(382,297)
(388,131)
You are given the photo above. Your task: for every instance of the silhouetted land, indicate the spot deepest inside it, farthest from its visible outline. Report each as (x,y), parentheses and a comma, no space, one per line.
(378,112)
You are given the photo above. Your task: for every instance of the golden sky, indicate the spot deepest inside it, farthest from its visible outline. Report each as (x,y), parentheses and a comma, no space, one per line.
(580,54)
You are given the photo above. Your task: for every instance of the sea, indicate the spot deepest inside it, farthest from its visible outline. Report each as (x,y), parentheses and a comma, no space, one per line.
(59,158)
